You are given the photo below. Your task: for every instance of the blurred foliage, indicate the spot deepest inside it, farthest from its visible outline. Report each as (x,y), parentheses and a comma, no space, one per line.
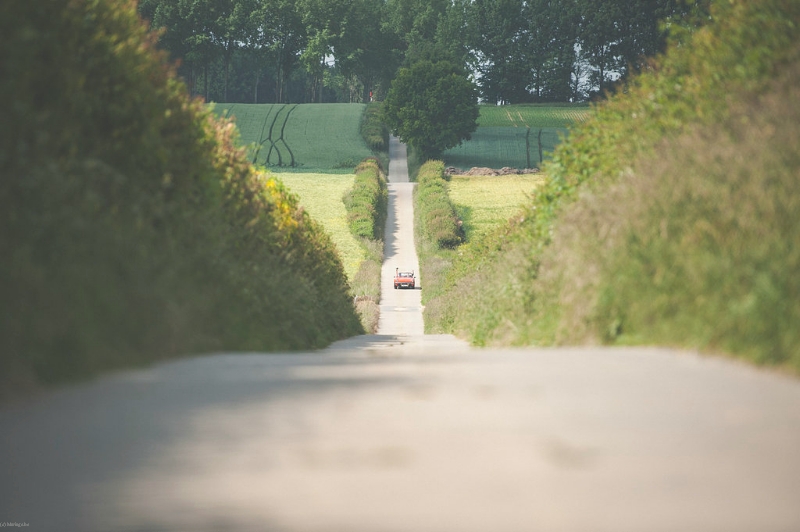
(132,228)
(685,202)
(707,260)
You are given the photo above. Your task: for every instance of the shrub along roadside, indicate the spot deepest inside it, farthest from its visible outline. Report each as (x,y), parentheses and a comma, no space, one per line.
(131,227)
(667,255)
(367,201)
(438,219)
(707,260)
(367,205)
(438,233)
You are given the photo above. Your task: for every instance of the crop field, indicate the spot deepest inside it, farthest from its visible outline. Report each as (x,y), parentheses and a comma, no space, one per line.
(533,115)
(509,135)
(301,138)
(484,202)
(496,147)
(321,196)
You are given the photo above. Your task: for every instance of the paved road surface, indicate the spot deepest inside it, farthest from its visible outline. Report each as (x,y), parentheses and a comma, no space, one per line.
(403,432)
(401,310)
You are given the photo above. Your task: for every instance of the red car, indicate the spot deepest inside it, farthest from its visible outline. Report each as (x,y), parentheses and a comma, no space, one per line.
(404,280)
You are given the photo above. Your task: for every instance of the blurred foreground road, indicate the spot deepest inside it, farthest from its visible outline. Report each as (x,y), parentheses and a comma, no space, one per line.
(402,432)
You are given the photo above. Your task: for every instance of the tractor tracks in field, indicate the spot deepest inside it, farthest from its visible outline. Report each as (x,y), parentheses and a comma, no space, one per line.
(273,136)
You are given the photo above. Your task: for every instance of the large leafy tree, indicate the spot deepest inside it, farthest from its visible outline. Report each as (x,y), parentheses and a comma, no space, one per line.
(281,35)
(349,31)
(432,106)
(500,45)
(201,32)
(552,56)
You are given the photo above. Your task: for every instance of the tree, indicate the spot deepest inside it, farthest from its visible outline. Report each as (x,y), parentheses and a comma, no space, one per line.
(282,36)
(552,56)
(349,31)
(432,107)
(501,44)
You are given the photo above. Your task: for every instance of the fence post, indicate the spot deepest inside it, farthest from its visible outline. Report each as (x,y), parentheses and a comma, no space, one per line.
(528,146)
(541,158)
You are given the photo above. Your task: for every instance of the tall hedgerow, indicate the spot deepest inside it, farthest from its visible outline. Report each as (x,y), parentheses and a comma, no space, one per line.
(638,256)
(695,248)
(367,201)
(438,219)
(131,228)
(367,206)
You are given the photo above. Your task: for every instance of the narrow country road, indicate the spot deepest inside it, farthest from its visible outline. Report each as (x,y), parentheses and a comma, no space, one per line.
(402,432)
(401,310)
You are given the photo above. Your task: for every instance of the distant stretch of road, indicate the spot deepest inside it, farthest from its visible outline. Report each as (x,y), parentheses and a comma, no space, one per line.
(405,432)
(401,310)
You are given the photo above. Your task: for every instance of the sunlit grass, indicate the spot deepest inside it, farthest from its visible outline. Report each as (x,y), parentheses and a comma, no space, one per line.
(321,196)
(484,202)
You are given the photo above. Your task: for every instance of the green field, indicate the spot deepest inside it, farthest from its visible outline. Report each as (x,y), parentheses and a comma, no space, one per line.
(532,115)
(509,135)
(484,202)
(301,138)
(496,147)
(321,196)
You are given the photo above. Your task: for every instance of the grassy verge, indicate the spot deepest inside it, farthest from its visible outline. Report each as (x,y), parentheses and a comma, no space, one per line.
(415,162)
(694,249)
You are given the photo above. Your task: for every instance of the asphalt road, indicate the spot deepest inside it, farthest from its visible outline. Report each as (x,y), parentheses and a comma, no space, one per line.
(401,310)
(406,432)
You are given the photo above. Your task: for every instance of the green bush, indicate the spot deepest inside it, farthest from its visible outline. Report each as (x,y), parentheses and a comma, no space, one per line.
(437,214)
(706,260)
(665,216)
(367,207)
(131,227)
(367,201)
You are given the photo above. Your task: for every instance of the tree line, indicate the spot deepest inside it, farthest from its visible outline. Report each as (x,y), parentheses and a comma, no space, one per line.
(518,51)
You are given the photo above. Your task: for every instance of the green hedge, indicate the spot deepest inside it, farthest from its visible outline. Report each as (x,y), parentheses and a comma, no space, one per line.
(367,206)
(131,228)
(367,201)
(437,214)
(665,217)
